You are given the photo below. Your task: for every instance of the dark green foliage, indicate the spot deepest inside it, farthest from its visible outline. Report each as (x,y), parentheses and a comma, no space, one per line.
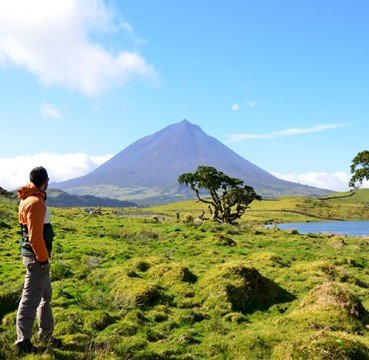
(229,196)
(4,225)
(359,169)
(6,194)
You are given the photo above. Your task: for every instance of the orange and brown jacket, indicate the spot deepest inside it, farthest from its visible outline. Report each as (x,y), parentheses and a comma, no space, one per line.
(31,213)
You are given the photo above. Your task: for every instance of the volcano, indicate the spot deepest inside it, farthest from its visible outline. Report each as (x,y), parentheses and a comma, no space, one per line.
(147,170)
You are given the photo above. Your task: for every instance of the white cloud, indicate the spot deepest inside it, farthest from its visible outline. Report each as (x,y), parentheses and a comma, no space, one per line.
(52,40)
(48,110)
(14,172)
(235,107)
(334,181)
(234,138)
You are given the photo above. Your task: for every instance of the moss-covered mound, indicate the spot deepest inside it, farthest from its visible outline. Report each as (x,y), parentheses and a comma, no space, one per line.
(223,240)
(331,306)
(268,258)
(130,288)
(172,273)
(135,292)
(337,242)
(334,294)
(9,298)
(318,271)
(322,346)
(238,286)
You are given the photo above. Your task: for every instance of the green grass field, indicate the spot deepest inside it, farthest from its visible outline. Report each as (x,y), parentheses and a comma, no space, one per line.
(139,284)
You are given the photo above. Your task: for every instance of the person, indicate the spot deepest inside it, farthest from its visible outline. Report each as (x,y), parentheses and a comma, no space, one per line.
(36,246)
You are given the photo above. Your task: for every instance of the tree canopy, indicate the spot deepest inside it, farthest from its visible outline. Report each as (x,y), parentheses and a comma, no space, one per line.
(229,197)
(359,169)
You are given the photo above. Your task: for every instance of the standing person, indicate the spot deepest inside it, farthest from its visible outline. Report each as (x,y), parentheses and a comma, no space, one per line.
(35,250)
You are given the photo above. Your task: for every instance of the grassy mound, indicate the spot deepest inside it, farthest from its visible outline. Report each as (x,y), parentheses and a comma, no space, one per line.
(135,292)
(335,295)
(337,242)
(223,240)
(177,280)
(322,346)
(316,272)
(237,286)
(9,298)
(331,306)
(130,285)
(268,258)
(172,273)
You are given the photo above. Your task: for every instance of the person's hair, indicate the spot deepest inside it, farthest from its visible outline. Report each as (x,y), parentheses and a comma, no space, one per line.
(38,176)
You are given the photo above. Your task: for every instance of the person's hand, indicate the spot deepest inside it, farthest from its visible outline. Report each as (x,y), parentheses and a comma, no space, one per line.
(44,263)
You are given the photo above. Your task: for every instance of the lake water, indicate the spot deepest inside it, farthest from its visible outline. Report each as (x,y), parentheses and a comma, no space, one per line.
(351,228)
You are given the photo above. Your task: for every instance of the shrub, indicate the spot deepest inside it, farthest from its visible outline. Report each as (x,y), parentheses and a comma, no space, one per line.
(187,219)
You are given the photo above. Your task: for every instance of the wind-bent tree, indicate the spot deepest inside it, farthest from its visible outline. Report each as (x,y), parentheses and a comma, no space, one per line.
(359,169)
(229,196)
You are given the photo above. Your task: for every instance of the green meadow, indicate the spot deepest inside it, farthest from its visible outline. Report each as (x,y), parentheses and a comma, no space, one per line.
(155,284)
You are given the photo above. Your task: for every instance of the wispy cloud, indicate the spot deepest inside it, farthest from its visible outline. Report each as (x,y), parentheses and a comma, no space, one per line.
(14,172)
(54,41)
(251,103)
(337,181)
(234,138)
(235,107)
(48,110)
(127,26)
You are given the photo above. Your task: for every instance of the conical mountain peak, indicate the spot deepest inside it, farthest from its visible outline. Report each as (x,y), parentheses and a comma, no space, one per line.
(184,125)
(185,122)
(154,163)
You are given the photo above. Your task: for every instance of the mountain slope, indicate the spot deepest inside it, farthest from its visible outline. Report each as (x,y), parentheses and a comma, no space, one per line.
(59,198)
(156,161)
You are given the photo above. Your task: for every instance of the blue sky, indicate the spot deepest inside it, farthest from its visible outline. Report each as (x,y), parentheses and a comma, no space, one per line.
(283,83)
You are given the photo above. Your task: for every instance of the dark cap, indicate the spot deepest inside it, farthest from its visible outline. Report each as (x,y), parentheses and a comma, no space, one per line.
(38,176)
